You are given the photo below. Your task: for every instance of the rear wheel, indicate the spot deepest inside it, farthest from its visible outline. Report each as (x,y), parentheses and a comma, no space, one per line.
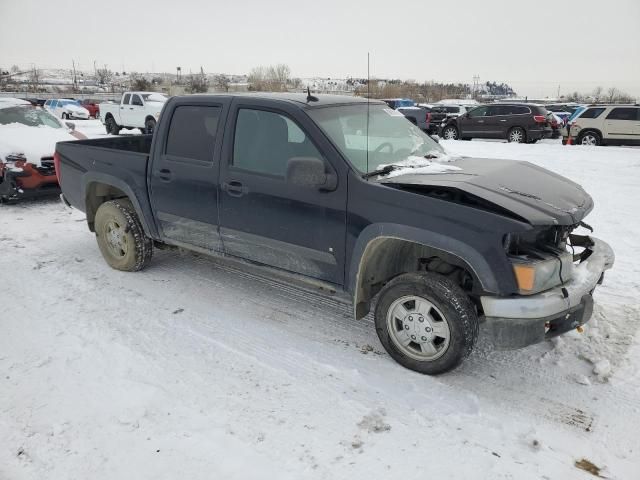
(589,138)
(426,322)
(112,126)
(450,133)
(517,135)
(149,125)
(120,236)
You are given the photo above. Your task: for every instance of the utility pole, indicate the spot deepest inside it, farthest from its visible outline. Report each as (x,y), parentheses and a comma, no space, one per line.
(75,81)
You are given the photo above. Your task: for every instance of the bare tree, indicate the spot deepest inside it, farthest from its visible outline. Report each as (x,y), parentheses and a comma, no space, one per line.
(34,79)
(138,82)
(597,94)
(15,69)
(221,82)
(197,83)
(273,78)
(104,75)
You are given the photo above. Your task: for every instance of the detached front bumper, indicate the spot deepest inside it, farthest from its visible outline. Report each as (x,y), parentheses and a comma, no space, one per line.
(518,321)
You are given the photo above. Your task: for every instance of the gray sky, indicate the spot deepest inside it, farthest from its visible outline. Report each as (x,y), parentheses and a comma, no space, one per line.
(535,46)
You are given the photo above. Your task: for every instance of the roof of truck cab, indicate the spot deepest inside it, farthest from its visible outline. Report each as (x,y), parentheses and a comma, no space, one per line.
(323,100)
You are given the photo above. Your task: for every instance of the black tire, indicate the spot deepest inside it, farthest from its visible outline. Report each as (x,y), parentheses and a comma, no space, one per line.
(450,133)
(118,219)
(517,135)
(589,138)
(64,116)
(456,307)
(111,126)
(149,125)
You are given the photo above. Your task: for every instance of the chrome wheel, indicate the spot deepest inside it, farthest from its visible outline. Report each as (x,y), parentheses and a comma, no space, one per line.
(589,139)
(450,133)
(116,239)
(418,328)
(516,136)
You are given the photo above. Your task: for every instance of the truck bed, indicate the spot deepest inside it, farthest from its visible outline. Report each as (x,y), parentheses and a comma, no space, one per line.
(118,161)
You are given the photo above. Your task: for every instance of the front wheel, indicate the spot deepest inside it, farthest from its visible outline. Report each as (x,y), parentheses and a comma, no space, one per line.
(121,238)
(426,322)
(450,133)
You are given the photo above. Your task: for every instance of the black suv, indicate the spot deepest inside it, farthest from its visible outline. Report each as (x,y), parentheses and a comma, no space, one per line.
(519,122)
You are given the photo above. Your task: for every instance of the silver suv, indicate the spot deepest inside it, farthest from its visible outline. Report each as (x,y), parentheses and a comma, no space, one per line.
(605,125)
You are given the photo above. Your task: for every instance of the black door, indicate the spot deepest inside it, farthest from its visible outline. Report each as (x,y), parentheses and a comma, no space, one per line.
(472,124)
(262,217)
(184,175)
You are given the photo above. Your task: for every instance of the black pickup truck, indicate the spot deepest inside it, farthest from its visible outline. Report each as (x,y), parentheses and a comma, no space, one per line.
(350,196)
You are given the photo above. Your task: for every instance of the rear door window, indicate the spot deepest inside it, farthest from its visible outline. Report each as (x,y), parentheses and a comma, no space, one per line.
(192,132)
(125,100)
(623,113)
(592,112)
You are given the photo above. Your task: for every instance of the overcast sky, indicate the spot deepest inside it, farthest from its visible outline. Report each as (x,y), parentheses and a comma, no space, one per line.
(535,46)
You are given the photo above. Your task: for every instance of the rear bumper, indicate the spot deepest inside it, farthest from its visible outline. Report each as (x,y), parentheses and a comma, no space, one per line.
(518,321)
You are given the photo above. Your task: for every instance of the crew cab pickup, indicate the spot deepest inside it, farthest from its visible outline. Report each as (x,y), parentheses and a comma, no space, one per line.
(135,110)
(352,197)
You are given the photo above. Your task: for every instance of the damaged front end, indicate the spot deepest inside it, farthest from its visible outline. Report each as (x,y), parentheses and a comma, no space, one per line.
(556,271)
(20,179)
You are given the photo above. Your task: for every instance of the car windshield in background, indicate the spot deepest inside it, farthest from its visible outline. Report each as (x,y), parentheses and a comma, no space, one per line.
(28,115)
(62,103)
(392,138)
(154,97)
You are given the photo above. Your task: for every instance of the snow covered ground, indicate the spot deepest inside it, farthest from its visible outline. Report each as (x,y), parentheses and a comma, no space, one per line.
(196,369)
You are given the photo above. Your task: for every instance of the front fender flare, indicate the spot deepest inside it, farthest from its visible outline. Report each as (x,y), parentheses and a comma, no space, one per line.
(468,256)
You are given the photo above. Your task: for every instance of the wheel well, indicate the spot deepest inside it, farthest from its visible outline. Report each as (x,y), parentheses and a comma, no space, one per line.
(108,115)
(97,194)
(149,117)
(592,130)
(385,258)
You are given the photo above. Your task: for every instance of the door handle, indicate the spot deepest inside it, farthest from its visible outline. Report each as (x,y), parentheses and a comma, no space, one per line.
(234,188)
(480,121)
(503,120)
(164,174)
(130,108)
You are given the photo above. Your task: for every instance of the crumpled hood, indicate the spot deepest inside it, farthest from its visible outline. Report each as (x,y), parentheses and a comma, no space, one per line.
(538,195)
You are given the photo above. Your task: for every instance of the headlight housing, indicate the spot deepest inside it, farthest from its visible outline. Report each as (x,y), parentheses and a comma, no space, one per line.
(534,275)
(540,258)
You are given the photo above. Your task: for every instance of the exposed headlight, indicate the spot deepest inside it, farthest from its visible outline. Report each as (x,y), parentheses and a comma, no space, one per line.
(538,275)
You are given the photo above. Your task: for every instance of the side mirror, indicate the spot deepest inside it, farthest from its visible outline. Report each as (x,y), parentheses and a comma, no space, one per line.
(71,125)
(436,138)
(310,172)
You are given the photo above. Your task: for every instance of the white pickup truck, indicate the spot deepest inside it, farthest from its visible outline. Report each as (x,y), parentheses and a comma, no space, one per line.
(135,110)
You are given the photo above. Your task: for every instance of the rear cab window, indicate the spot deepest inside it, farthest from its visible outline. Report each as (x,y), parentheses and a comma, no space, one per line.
(192,132)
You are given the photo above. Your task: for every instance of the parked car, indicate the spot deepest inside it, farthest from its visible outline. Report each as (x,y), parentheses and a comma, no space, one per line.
(606,125)
(441,113)
(419,116)
(28,136)
(564,131)
(399,102)
(66,109)
(135,110)
(517,122)
(294,184)
(92,106)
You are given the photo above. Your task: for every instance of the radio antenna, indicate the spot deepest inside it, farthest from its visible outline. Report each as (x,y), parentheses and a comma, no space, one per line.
(368,99)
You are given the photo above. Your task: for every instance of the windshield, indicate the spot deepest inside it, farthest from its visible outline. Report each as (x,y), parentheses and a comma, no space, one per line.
(62,103)
(28,115)
(576,113)
(154,97)
(392,138)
